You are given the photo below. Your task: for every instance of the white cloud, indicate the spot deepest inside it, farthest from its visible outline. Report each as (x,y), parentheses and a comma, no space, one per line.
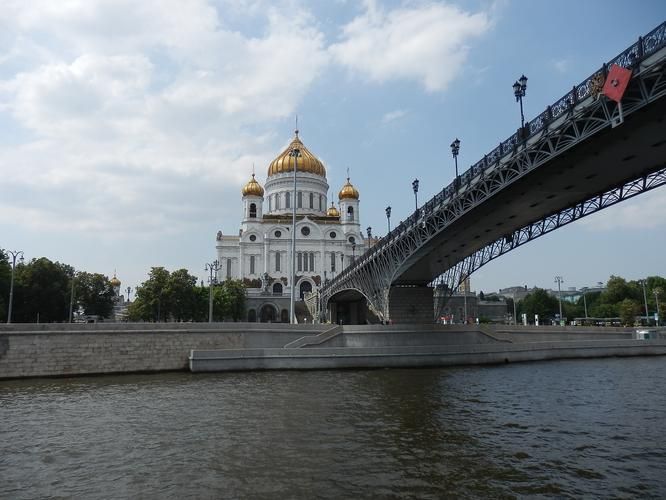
(643,212)
(562,65)
(426,42)
(393,115)
(133,109)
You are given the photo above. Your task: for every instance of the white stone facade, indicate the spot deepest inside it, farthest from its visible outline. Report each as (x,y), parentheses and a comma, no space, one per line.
(327,238)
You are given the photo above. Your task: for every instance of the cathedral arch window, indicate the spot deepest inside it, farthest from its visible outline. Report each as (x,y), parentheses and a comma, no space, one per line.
(277,261)
(252,262)
(278,234)
(277,202)
(311,200)
(350,213)
(300,199)
(287,200)
(277,288)
(320,205)
(333,235)
(253,210)
(300,261)
(312,259)
(332,262)
(253,237)
(305,231)
(228,268)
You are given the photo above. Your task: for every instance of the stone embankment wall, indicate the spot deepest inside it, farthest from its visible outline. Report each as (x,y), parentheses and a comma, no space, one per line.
(61,350)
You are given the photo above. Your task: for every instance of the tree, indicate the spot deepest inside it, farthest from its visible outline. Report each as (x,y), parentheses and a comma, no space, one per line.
(5,278)
(182,295)
(151,300)
(539,302)
(94,293)
(628,310)
(41,291)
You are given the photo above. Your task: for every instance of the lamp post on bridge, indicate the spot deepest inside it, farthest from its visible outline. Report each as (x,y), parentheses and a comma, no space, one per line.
(369,230)
(388,217)
(559,281)
(455,149)
(14,254)
(213,267)
(415,187)
(519,88)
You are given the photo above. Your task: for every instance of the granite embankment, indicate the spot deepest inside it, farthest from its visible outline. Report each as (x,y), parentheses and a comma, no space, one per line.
(40,350)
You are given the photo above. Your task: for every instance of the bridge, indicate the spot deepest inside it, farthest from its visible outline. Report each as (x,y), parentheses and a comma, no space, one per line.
(582,154)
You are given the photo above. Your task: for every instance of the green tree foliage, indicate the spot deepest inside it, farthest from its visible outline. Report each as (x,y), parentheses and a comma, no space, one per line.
(41,291)
(539,302)
(628,310)
(5,277)
(94,293)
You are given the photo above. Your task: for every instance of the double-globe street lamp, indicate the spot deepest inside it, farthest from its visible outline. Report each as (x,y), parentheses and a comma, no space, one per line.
(388,217)
(455,149)
(213,268)
(519,89)
(14,254)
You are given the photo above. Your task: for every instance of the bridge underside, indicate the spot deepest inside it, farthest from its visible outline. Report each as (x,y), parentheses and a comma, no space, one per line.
(616,156)
(570,161)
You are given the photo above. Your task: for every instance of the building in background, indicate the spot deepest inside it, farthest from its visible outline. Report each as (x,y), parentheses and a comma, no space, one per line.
(328,237)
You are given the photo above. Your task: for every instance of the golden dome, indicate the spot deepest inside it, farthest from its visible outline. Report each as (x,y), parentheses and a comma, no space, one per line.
(115,282)
(348,191)
(332,211)
(253,188)
(307,162)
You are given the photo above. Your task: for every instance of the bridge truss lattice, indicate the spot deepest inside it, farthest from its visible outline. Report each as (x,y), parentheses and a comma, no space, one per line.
(574,118)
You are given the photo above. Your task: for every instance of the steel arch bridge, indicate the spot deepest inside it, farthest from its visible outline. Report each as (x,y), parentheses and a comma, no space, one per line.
(584,153)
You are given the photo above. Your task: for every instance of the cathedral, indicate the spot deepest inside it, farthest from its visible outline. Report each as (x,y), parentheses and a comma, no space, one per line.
(328,238)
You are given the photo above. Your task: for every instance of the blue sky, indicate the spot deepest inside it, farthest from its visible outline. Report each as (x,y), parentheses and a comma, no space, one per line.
(127,129)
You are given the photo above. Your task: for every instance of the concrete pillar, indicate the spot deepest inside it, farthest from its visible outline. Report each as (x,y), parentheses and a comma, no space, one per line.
(411,304)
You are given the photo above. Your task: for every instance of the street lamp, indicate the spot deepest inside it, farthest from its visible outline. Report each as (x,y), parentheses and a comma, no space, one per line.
(388,218)
(71,297)
(369,232)
(353,252)
(647,319)
(213,267)
(455,149)
(657,291)
(14,254)
(584,290)
(559,281)
(415,187)
(295,153)
(519,89)
(129,290)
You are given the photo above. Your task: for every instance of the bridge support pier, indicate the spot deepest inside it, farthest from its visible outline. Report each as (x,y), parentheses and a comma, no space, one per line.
(411,304)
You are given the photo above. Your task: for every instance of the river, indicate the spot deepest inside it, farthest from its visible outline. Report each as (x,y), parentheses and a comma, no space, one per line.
(567,429)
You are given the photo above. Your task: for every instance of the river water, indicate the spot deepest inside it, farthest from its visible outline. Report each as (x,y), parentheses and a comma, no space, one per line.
(567,429)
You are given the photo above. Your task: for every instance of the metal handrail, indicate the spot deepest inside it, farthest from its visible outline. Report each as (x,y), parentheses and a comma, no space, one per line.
(640,50)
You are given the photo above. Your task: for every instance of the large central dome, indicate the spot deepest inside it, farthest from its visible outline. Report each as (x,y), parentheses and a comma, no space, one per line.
(307,162)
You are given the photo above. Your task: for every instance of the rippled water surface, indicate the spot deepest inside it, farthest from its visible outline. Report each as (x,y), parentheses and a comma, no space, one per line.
(592,428)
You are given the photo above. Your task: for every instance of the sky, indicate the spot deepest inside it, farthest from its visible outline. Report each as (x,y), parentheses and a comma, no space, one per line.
(127,129)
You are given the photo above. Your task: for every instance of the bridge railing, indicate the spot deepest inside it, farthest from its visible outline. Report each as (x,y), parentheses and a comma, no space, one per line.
(644,47)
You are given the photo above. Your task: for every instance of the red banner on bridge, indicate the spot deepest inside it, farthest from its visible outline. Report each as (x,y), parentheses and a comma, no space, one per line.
(616,82)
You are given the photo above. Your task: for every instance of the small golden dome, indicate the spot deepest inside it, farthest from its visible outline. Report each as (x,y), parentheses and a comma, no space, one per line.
(253,188)
(348,191)
(115,282)
(332,211)
(307,162)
